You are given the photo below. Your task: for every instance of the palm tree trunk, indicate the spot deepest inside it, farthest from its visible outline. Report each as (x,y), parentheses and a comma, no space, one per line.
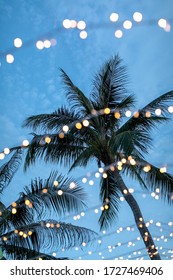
(140,223)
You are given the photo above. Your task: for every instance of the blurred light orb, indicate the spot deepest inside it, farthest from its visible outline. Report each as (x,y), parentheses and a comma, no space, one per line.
(168,27)
(83,34)
(6,151)
(2,156)
(85,123)
(73,23)
(9,58)
(53,42)
(81,25)
(47,44)
(170,109)
(40,45)
(25,143)
(18,42)
(114,17)
(66,23)
(65,128)
(158,112)
(118,34)
(162,23)
(127,24)
(137,17)
(128,113)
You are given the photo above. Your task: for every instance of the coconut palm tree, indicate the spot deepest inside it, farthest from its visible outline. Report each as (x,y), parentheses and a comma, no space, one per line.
(95,128)
(25,227)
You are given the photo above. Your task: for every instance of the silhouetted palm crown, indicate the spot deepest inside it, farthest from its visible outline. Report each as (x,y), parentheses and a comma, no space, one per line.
(109,137)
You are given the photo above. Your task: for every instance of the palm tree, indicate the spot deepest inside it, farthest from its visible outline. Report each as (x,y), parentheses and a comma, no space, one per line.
(25,226)
(95,128)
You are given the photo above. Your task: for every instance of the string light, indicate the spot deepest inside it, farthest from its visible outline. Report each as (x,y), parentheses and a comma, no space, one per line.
(9,58)
(127,24)
(114,17)
(18,42)
(83,34)
(137,17)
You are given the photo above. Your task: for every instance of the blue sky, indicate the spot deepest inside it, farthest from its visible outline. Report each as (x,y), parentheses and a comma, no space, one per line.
(31,85)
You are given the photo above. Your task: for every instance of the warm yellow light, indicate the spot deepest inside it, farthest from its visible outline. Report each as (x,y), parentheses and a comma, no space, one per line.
(65,128)
(101,170)
(106,207)
(44,191)
(119,167)
(47,139)
(25,143)
(58,225)
(114,17)
(48,225)
(127,24)
(17,42)
(137,17)
(30,233)
(125,191)
(129,157)
(147,168)
(60,192)
(40,259)
(148,114)
(27,202)
(157,190)
(162,169)
(9,58)
(112,168)
(16,231)
(105,175)
(107,111)
(0,213)
(2,156)
(5,238)
(14,211)
(56,183)
(78,125)
(123,160)
(61,135)
(25,235)
(40,45)
(119,163)
(20,233)
(117,115)
(14,204)
(6,151)
(83,34)
(141,219)
(141,225)
(136,114)
(81,25)
(118,35)
(85,123)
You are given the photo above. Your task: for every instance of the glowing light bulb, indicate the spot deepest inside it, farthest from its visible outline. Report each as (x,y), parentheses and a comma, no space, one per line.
(14,211)
(118,34)
(72,185)
(97,174)
(66,23)
(107,111)
(158,112)
(132,162)
(65,128)
(137,17)
(60,192)
(25,143)
(73,23)
(84,180)
(17,42)
(2,156)
(47,139)
(162,169)
(127,24)
(6,151)
(85,123)
(91,182)
(27,202)
(9,58)
(81,25)
(170,109)
(83,34)
(78,125)
(162,23)
(47,44)
(148,114)
(147,168)
(128,113)
(114,17)
(136,114)
(40,45)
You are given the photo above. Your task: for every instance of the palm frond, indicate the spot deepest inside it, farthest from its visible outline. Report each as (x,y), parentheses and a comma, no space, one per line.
(52,122)
(8,169)
(109,194)
(152,179)
(50,234)
(77,100)
(109,84)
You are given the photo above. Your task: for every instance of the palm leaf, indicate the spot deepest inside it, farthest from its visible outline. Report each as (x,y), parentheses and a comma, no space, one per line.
(8,169)
(109,195)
